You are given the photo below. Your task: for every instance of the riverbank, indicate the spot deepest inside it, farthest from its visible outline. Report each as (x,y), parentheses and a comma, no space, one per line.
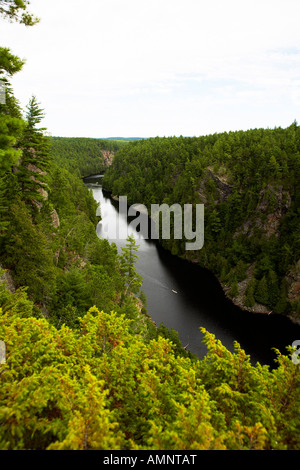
(200,300)
(238,301)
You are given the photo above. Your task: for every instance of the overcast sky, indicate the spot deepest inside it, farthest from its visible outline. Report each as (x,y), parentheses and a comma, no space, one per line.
(106,68)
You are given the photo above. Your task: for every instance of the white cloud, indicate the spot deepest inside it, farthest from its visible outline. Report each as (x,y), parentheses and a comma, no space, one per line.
(110,67)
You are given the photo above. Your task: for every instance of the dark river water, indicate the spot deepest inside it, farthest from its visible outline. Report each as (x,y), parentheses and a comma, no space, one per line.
(198,300)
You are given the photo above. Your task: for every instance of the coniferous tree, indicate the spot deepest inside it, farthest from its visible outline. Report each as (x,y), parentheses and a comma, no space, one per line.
(35,164)
(28,255)
(128,259)
(11,122)
(234,291)
(11,129)
(249,297)
(261,293)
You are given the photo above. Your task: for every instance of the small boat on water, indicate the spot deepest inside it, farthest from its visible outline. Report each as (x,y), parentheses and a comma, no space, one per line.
(175,292)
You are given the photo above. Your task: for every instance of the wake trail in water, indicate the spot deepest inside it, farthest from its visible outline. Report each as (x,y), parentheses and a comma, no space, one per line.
(155,281)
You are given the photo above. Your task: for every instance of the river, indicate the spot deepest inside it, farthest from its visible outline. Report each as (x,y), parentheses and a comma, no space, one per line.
(185,297)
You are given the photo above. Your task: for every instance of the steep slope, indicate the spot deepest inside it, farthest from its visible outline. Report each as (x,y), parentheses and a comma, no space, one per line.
(248,182)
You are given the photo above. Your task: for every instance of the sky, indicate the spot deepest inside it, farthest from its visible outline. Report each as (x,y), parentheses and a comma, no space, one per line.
(137,68)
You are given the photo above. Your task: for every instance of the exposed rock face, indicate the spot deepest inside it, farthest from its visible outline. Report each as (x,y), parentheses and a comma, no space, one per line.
(43,193)
(273,203)
(35,169)
(108,157)
(42,190)
(240,299)
(223,188)
(55,219)
(8,280)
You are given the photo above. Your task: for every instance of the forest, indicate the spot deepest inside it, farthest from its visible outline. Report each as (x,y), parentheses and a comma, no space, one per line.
(84,156)
(248,182)
(82,365)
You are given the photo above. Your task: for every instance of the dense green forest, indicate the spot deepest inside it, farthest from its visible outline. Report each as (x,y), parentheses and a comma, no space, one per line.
(84,156)
(248,182)
(82,366)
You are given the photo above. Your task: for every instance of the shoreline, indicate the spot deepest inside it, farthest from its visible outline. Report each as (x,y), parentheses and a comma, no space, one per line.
(256,309)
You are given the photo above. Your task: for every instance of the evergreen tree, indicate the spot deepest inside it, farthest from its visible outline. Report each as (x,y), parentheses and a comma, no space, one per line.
(250,290)
(35,163)
(128,259)
(281,304)
(273,289)
(261,292)
(28,255)
(234,290)
(11,129)
(11,123)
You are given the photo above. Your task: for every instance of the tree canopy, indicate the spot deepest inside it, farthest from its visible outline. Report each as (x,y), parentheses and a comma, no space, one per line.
(247,181)
(102,387)
(85,368)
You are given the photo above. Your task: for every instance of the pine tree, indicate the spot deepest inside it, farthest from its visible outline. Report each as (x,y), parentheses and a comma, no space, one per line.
(249,297)
(273,289)
(261,293)
(35,164)
(234,291)
(11,122)
(128,259)
(28,255)
(11,128)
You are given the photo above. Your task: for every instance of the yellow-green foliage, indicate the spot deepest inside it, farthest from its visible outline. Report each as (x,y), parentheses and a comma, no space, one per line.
(102,387)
